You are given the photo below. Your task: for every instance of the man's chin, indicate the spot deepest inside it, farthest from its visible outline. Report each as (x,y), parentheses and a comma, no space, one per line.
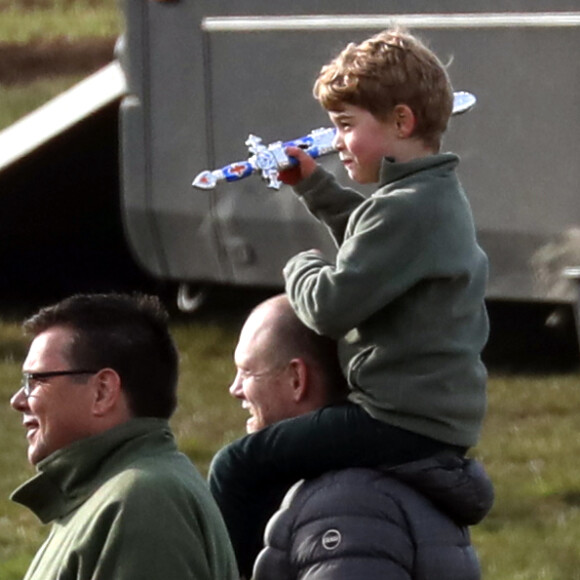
(253,425)
(34,456)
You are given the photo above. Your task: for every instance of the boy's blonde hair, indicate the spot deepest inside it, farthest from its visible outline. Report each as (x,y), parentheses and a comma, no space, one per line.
(390,68)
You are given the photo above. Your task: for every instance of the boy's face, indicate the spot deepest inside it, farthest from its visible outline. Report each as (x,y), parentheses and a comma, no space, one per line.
(362,141)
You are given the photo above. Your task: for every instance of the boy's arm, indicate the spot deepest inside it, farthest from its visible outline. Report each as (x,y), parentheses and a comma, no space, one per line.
(328,201)
(385,253)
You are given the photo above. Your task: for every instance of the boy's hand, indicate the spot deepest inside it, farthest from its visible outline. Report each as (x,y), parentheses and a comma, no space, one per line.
(305,168)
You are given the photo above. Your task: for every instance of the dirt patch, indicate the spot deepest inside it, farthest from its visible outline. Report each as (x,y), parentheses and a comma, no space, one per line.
(22,64)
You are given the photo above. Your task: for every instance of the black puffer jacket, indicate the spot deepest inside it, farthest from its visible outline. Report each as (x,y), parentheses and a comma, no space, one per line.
(408,522)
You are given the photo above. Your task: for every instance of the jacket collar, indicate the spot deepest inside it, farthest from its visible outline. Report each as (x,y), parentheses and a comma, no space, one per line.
(67,477)
(392,171)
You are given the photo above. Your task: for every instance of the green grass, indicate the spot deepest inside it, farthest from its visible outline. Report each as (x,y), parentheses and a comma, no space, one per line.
(530,447)
(43,21)
(50,19)
(19,100)
(207,416)
(20,532)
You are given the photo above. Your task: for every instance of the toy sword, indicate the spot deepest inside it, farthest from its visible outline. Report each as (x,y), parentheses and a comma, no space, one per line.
(270,159)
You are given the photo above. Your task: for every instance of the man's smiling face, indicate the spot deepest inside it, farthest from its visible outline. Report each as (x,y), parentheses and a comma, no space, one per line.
(56,413)
(262,381)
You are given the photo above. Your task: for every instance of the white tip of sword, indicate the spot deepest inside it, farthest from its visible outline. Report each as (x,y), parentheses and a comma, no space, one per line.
(205,180)
(463,102)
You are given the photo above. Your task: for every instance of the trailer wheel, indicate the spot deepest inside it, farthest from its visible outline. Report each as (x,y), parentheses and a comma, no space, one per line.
(190,299)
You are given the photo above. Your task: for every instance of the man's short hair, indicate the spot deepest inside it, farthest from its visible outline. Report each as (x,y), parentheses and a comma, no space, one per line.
(390,68)
(291,338)
(127,333)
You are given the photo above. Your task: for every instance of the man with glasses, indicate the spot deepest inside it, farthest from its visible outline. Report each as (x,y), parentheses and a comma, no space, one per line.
(99,386)
(408,522)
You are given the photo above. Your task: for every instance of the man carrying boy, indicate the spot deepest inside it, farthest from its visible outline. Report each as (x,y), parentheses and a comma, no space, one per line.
(355,523)
(405,295)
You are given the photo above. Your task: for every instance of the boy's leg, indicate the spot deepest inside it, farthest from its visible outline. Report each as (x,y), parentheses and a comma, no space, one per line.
(249,477)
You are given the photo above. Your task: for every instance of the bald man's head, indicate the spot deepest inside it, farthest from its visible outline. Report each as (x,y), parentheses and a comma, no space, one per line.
(284,368)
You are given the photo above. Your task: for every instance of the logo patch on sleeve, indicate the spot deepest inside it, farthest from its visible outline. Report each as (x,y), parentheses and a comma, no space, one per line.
(331,539)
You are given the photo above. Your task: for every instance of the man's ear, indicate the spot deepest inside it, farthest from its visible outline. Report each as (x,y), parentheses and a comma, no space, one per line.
(107,392)
(299,378)
(405,120)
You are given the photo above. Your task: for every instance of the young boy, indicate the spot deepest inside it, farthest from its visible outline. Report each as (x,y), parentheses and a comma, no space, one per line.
(404,296)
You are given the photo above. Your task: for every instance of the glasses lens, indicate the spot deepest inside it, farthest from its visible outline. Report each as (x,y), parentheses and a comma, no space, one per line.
(25,384)
(27,377)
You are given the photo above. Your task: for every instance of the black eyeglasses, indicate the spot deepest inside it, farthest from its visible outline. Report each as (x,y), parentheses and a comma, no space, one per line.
(27,378)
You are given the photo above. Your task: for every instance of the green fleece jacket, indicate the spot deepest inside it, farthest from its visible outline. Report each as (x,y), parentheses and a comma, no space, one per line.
(405,296)
(126,505)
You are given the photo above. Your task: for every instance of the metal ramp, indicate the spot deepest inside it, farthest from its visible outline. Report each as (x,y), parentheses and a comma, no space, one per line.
(61,113)
(61,226)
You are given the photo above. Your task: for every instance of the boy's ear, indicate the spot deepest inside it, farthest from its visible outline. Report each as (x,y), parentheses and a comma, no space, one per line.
(404,120)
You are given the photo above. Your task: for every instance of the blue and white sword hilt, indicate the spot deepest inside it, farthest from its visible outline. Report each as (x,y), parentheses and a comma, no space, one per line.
(269,160)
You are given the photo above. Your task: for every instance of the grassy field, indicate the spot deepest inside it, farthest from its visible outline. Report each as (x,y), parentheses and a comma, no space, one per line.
(19,100)
(26,21)
(530,447)
(44,27)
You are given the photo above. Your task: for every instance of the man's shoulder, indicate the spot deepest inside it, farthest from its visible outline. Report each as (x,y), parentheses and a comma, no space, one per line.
(371,494)
(142,493)
(353,520)
(358,490)
(153,478)
(376,479)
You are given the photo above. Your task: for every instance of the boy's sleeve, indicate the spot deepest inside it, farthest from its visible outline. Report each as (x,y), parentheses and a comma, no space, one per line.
(328,201)
(385,252)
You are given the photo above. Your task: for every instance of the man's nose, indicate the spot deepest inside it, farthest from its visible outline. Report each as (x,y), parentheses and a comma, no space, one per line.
(337,142)
(236,389)
(19,400)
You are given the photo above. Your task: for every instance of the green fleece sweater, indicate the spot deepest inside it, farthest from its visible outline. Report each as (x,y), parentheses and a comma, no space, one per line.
(405,296)
(126,505)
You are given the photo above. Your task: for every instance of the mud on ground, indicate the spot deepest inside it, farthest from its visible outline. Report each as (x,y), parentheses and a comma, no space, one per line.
(22,64)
